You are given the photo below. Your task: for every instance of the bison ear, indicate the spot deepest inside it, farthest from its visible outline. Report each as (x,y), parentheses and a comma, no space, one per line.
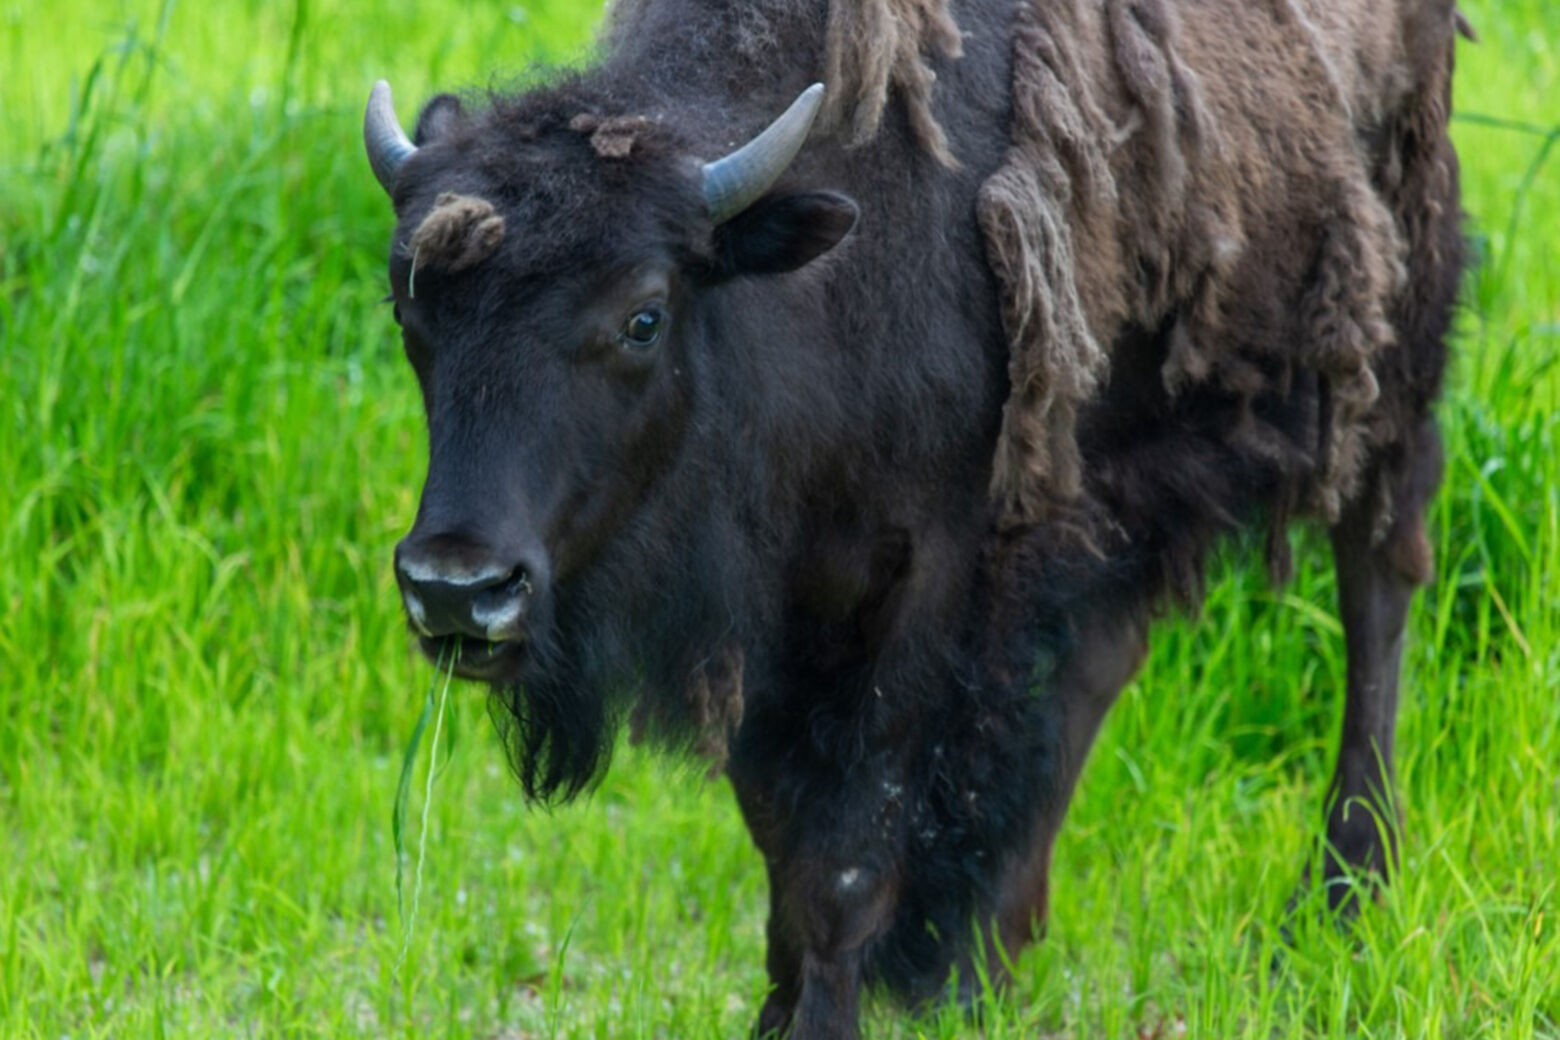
(438,118)
(780,233)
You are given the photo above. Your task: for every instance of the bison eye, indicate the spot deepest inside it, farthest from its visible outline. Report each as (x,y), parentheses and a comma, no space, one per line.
(642,329)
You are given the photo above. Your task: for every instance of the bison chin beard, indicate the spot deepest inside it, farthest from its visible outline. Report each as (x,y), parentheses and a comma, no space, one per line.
(556,724)
(558,736)
(614,637)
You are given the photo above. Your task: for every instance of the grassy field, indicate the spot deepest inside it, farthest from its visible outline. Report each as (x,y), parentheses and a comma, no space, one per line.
(209,444)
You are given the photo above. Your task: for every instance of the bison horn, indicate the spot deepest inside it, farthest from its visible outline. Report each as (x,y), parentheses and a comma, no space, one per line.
(388,146)
(734,183)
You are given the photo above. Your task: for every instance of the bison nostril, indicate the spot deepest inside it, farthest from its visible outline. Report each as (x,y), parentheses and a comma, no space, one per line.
(519,583)
(499,611)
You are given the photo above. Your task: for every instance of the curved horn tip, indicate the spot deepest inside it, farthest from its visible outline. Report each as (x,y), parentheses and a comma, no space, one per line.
(736,181)
(387,144)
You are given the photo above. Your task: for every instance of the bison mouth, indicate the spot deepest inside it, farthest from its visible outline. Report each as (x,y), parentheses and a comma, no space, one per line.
(473,658)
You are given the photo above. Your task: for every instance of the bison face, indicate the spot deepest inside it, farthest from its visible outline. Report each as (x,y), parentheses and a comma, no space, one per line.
(552,273)
(551,407)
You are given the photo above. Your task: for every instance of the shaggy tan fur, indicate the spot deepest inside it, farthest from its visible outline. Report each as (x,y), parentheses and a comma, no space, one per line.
(716,705)
(877,45)
(1056,181)
(459,232)
(612,137)
(872,48)
(1162,170)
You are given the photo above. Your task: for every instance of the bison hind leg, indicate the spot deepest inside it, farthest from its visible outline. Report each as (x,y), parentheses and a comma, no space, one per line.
(1380,546)
(1378,572)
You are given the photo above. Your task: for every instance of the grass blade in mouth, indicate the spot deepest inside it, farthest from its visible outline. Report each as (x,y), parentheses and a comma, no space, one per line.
(446,665)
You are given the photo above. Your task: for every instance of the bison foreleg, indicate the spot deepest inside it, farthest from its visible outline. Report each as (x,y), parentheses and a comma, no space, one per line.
(784,962)
(1377,575)
(833,889)
(1105,653)
(818,932)
(834,907)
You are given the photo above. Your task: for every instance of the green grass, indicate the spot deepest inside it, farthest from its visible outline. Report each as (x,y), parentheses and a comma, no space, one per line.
(209,444)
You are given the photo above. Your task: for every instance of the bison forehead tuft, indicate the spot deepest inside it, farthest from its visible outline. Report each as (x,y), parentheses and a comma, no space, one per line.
(613,137)
(459,232)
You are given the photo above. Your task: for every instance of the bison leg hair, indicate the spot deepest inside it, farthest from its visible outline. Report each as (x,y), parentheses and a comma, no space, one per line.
(1104,656)
(1377,576)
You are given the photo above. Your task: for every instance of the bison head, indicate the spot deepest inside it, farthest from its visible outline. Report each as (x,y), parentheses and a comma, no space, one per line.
(554,272)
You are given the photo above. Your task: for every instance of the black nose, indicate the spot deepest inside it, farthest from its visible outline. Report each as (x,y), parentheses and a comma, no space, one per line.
(453,590)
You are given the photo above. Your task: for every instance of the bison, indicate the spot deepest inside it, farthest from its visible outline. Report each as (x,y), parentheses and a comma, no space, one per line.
(840,388)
